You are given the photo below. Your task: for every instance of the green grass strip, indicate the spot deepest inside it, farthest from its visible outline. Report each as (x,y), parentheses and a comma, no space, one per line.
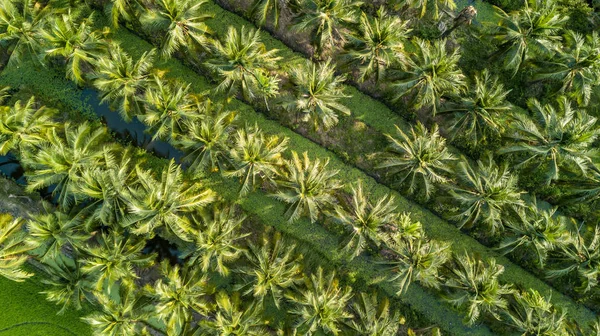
(26,312)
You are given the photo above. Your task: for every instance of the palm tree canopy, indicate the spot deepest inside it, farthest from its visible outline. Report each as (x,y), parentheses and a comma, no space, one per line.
(178,295)
(317,91)
(21,25)
(75,42)
(557,138)
(121,81)
(24,126)
(239,58)
(325,20)
(378,45)
(166,202)
(12,249)
(62,159)
(216,235)
(529,32)
(374,317)
(322,305)
(532,314)
(255,156)
(577,66)
(363,219)
(232,318)
(273,268)
(182,21)
(477,114)
(431,73)
(419,160)
(307,186)
(475,287)
(485,193)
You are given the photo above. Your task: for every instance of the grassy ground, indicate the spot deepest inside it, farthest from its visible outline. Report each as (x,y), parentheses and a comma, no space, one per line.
(26,312)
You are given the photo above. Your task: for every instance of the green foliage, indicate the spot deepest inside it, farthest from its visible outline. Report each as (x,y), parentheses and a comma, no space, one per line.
(431,72)
(317,91)
(12,249)
(183,24)
(418,161)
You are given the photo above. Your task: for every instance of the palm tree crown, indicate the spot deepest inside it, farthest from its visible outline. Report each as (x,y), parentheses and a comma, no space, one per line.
(182,21)
(238,60)
(121,80)
(528,32)
(306,186)
(419,160)
(24,127)
(12,249)
(317,91)
(378,44)
(484,194)
(431,73)
(558,138)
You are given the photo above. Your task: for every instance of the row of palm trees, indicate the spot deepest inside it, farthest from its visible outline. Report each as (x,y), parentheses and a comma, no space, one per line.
(555,145)
(93,244)
(131,102)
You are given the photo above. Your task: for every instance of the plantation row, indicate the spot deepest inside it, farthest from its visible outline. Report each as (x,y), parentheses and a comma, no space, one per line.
(93,245)
(104,237)
(441,168)
(167,127)
(474,116)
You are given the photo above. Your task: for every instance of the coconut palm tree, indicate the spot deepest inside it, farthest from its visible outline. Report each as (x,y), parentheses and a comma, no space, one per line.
(24,126)
(476,116)
(373,317)
(321,306)
(12,249)
(532,314)
(416,260)
(576,66)
(528,33)
(306,186)
(122,10)
(208,139)
(4,94)
(74,42)
(559,138)
(325,21)
(587,189)
(166,202)
(273,268)
(419,160)
(122,81)
(50,232)
(484,194)
(406,228)
(182,22)
(431,73)
(363,219)
(238,59)
(216,233)
(475,288)
(255,156)
(232,318)
(108,187)
(168,105)
(317,92)
(120,315)
(114,258)
(69,286)
(21,24)
(537,232)
(180,293)
(62,160)
(580,259)
(261,10)
(377,45)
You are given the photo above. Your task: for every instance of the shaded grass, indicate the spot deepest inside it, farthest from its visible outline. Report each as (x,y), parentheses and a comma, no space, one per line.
(26,312)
